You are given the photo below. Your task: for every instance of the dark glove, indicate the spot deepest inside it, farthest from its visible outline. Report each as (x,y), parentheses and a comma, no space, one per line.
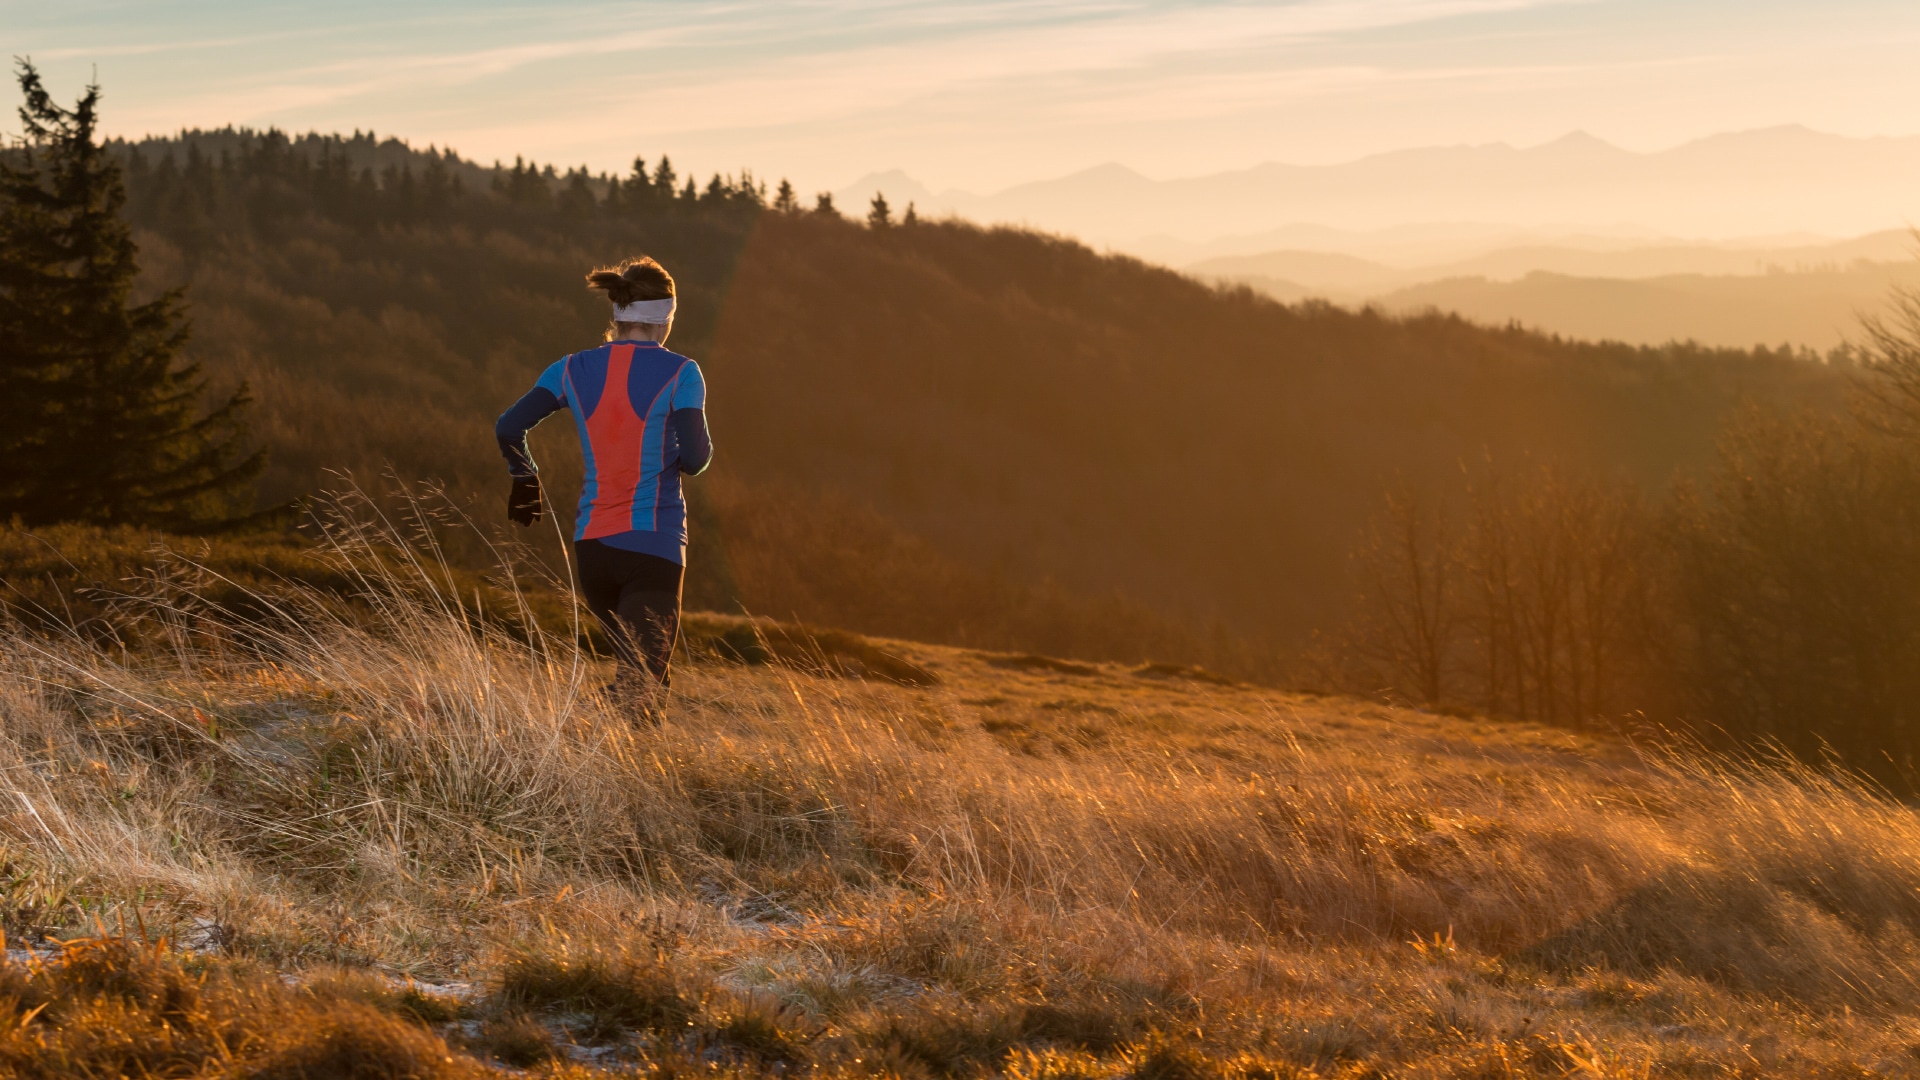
(523,502)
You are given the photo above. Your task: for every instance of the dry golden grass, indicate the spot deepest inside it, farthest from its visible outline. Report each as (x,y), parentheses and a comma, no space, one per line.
(1042,870)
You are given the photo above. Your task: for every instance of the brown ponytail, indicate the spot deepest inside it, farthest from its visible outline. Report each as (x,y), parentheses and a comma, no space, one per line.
(632,281)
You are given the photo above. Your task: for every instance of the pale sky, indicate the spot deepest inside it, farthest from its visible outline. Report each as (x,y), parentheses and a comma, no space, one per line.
(983,95)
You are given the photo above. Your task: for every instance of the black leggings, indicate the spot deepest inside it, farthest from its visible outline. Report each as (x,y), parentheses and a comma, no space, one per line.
(637,598)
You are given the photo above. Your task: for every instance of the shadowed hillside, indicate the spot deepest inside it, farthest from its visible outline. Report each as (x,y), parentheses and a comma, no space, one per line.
(1020,405)
(1021,400)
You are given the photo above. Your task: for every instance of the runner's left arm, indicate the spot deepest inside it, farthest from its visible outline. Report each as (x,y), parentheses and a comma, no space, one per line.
(689,419)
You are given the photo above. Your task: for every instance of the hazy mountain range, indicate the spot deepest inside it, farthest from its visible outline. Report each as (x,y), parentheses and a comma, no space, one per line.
(1726,240)
(1348,277)
(1733,295)
(1817,309)
(1430,204)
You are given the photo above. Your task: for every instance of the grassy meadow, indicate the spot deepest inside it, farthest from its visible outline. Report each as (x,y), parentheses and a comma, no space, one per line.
(382,825)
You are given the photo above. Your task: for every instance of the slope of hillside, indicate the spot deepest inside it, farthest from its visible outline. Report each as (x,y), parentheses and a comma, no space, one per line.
(1023,401)
(1032,866)
(1019,404)
(1812,309)
(1815,309)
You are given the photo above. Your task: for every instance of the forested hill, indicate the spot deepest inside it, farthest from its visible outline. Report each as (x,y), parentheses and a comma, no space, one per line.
(904,415)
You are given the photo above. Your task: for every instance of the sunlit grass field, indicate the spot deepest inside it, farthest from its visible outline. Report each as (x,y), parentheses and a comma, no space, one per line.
(404,837)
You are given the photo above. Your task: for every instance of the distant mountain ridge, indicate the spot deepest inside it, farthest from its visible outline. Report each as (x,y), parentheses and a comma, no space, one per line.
(1780,180)
(1347,277)
(1724,295)
(1817,309)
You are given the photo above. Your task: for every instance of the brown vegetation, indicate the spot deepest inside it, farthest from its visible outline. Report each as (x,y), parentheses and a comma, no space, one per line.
(1529,600)
(1775,605)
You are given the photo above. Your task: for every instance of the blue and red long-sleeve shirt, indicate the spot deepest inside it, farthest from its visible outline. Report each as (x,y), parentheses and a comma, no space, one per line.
(641,414)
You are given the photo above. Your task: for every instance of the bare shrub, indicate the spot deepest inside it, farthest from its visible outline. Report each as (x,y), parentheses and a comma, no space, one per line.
(1798,579)
(1534,603)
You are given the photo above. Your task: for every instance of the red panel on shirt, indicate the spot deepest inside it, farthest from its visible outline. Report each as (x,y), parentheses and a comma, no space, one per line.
(617,434)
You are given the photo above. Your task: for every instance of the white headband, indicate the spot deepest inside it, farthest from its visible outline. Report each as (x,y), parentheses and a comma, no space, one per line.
(653,312)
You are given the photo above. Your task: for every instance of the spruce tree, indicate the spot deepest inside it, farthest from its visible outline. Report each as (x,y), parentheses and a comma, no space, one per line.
(664,180)
(879,214)
(637,193)
(99,422)
(576,199)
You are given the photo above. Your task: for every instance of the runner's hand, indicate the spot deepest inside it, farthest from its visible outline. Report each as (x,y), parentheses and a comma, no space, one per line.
(523,502)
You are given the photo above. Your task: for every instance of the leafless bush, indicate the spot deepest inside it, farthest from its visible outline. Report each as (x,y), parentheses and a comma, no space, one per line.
(1531,603)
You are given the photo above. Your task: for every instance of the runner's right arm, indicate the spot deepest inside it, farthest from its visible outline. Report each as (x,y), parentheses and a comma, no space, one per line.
(547,397)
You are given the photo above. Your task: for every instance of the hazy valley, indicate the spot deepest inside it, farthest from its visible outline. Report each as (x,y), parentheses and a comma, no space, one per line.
(1810,295)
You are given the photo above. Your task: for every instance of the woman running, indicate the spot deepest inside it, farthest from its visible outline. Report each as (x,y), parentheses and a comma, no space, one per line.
(641,414)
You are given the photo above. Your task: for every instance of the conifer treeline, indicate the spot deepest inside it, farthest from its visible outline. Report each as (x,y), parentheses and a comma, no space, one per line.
(198,177)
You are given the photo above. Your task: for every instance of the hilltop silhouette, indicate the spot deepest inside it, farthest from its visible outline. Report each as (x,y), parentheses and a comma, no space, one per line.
(1009,404)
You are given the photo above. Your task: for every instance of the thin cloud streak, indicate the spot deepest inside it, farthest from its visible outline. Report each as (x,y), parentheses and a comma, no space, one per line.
(149,48)
(838,83)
